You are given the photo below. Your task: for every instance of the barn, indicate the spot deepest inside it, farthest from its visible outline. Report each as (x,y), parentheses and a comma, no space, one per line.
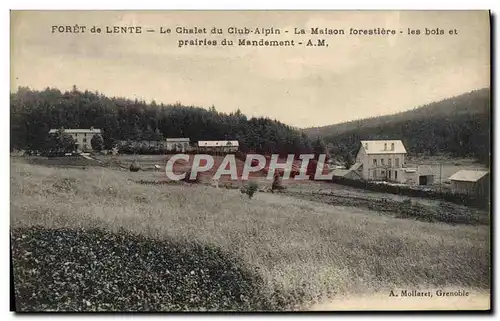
(470,182)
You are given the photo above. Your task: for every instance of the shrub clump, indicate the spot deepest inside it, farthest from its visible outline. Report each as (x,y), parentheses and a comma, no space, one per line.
(250,189)
(277,183)
(96,270)
(135,167)
(65,185)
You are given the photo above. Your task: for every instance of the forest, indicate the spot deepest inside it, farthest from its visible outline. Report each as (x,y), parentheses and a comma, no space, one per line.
(34,113)
(458,127)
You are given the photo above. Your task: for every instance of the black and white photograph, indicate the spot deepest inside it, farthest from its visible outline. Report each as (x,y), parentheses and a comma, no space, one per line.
(250,160)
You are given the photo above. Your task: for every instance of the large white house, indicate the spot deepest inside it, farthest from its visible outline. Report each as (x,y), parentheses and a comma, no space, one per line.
(380,159)
(385,160)
(82,137)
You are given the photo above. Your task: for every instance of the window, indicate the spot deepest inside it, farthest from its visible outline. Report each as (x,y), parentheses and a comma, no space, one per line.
(374,162)
(390,174)
(392,146)
(85,140)
(390,162)
(385,146)
(397,162)
(395,174)
(382,162)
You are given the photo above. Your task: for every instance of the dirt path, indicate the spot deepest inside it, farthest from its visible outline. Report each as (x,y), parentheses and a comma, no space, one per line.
(475,301)
(445,212)
(328,188)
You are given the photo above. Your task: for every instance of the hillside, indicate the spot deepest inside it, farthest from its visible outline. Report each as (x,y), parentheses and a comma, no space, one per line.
(475,102)
(459,126)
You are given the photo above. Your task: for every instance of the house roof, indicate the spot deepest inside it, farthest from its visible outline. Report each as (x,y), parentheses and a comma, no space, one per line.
(383,146)
(468,175)
(218,143)
(356,166)
(341,172)
(177,139)
(77,131)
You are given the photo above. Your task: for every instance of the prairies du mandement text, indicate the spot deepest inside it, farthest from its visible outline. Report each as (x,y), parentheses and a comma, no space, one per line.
(270,36)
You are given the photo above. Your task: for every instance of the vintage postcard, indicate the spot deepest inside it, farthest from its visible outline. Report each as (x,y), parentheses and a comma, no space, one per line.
(250,161)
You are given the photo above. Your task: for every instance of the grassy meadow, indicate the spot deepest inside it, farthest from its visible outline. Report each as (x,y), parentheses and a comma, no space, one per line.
(301,252)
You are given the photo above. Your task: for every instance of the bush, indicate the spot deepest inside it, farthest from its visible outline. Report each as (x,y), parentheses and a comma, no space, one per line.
(59,143)
(97,143)
(407,201)
(250,189)
(135,167)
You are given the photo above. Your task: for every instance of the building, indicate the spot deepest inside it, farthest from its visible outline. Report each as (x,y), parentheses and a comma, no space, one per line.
(425,175)
(414,175)
(82,137)
(178,144)
(223,146)
(470,182)
(384,160)
(380,159)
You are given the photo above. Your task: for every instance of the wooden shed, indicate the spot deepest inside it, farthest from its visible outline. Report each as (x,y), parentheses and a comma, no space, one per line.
(470,182)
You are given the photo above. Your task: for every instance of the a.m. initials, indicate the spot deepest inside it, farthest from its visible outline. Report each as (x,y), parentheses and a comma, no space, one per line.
(317,43)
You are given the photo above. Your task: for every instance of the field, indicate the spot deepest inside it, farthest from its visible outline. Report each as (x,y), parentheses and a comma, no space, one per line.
(110,243)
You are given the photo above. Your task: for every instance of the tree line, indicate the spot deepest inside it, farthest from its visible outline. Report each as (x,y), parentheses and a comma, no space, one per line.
(34,113)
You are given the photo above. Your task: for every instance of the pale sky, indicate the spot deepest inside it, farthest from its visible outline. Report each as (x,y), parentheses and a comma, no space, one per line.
(356,76)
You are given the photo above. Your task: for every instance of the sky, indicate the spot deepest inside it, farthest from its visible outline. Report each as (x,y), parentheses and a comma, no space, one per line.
(356,76)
